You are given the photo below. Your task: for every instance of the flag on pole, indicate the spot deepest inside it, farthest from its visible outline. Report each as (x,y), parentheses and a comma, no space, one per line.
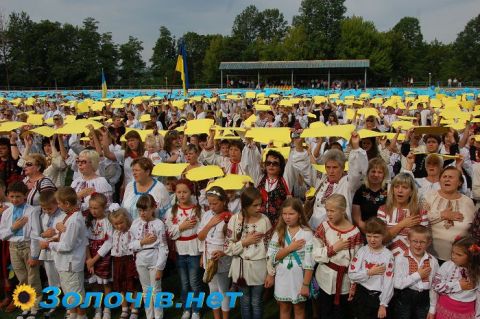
(104,86)
(182,67)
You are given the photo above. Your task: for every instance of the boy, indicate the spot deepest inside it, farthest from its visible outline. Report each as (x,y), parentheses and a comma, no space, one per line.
(69,251)
(20,225)
(372,270)
(414,272)
(51,215)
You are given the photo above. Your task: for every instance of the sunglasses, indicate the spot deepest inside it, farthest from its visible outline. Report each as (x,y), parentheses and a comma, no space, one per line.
(83,162)
(57,118)
(270,163)
(29,164)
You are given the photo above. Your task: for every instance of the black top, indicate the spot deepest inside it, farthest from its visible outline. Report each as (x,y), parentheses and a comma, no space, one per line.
(369,201)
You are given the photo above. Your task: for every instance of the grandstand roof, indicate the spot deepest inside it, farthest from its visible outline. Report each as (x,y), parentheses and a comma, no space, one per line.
(306,64)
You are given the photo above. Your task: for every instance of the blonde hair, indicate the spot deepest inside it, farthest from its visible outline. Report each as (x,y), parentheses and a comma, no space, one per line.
(120,213)
(413,201)
(92,156)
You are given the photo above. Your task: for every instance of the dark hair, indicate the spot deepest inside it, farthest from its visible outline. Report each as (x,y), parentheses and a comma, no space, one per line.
(191,187)
(140,150)
(47,197)
(373,152)
(99,198)
(18,187)
(375,225)
(67,194)
(470,246)
(4,141)
(238,144)
(203,137)
(435,137)
(281,228)
(168,142)
(220,193)
(146,201)
(279,156)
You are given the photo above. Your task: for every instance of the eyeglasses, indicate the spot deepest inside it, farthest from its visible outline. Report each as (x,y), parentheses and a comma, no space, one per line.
(29,164)
(83,162)
(419,242)
(272,163)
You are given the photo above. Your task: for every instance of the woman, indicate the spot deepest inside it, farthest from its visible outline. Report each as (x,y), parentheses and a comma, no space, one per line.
(89,182)
(372,194)
(335,182)
(172,152)
(33,166)
(450,212)
(370,146)
(143,184)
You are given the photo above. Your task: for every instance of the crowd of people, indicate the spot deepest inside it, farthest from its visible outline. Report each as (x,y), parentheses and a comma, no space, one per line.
(357,226)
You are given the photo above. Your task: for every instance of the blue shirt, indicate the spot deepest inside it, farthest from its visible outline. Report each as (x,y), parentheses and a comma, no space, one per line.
(17,214)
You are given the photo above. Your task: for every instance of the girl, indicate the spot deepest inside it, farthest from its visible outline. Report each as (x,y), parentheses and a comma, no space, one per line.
(336,243)
(246,243)
(152,149)
(182,225)
(213,228)
(99,262)
(290,253)
(125,274)
(457,282)
(401,212)
(150,244)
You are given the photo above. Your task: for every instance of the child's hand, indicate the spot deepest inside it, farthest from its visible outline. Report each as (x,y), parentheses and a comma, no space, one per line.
(33,262)
(305,291)
(217,219)
(19,223)
(341,244)
(269,281)
(149,239)
(90,262)
(424,272)
(351,292)
(48,233)
(376,270)
(382,312)
(296,244)
(188,223)
(466,284)
(44,244)
(158,275)
(252,238)
(60,227)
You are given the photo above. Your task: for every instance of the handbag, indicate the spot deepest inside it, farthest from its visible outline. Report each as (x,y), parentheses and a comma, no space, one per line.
(211,268)
(309,203)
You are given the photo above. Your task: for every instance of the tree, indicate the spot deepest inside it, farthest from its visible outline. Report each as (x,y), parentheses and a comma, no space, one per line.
(132,66)
(196,46)
(360,40)
(164,55)
(272,25)
(4,50)
(467,48)
(321,21)
(216,52)
(246,25)
(295,44)
(88,52)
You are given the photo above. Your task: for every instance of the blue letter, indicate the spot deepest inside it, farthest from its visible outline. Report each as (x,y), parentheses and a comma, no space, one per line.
(108,300)
(214,300)
(191,299)
(233,297)
(137,301)
(164,299)
(54,297)
(74,296)
(88,299)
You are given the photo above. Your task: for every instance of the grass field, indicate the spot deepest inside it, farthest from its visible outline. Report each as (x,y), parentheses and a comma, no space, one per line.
(170,283)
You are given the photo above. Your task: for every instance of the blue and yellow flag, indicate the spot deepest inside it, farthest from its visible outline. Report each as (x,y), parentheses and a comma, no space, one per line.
(182,67)
(104,86)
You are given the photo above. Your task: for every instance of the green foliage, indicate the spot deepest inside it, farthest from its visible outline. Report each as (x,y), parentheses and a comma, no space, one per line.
(467,48)
(131,64)
(164,56)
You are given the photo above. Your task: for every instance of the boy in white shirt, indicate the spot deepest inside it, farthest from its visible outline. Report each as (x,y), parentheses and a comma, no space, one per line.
(70,250)
(414,273)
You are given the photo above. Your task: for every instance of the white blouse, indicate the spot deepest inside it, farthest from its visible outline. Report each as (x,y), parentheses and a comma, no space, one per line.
(153,255)
(120,243)
(98,183)
(186,241)
(101,229)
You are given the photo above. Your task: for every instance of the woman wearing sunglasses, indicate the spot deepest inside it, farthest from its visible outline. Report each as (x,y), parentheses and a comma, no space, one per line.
(33,167)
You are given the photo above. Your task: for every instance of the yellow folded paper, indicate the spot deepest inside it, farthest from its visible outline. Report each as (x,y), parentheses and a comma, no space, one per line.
(11,126)
(204,172)
(285,151)
(46,131)
(143,134)
(267,134)
(169,169)
(321,168)
(199,126)
(78,127)
(261,107)
(231,182)
(251,119)
(344,131)
(145,118)
(35,119)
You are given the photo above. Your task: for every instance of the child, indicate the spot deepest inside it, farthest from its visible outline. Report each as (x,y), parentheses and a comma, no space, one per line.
(182,224)
(20,225)
(99,261)
(245,239)
(125,274)
(170,182)
(372,270)
(414,273)
(69,250)
(6,284)
(457,282)
(51,215)
(401,212)
(213,228)
(234,204)
(150,244)
(336,243)
(290,253)
(151,149)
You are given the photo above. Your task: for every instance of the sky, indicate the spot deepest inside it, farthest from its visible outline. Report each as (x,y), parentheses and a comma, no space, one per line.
(439,19)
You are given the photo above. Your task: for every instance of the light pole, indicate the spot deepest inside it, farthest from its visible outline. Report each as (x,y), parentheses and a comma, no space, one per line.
(429,79)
